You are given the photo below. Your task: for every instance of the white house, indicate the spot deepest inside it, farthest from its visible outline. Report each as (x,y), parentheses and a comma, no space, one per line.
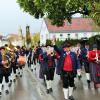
(80,28)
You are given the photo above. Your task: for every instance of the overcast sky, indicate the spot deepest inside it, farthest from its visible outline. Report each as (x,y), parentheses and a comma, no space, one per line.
(12,17)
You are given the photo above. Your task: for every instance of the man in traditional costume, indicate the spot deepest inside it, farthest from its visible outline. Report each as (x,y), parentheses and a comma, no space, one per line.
(69,66)
(85,61)
(4,70)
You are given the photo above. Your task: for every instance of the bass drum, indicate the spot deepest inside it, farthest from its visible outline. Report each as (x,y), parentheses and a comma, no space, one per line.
(22,60)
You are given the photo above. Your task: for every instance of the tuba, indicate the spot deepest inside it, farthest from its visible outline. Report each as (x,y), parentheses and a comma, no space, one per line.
(6,60)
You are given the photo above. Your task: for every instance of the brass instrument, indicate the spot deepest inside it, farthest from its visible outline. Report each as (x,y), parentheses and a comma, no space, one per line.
(5,59)
(13,56)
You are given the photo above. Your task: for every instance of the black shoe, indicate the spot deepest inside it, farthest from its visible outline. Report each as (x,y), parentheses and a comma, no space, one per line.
(14,80)
(35,69)
(10,81)
(0,93)
(7,92)
(74,88)
(95,86)
(88,81)
(20,75)
(71,98)
(79,77)
(32,70)
(9,84)
(16,76)
(45,82)
(2,87)
(50,90)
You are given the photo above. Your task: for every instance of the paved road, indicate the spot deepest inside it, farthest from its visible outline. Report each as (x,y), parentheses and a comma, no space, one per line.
(28,88)
(81,93)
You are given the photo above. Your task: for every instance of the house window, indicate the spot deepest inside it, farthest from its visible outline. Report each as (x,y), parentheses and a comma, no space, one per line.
(61,35)
(76,35)
(68,36)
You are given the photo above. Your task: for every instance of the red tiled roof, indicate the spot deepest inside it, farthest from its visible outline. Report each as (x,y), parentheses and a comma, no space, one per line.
(78,25)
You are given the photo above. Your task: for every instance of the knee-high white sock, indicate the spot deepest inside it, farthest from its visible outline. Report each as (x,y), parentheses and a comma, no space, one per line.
(0,87)
(79,72)
(13,75)
(70,91)
(34,67)
(45,77)
(48,84)
(17,71)
(88,76)
(10,77)
(21,71)
(6,87)
(65,90)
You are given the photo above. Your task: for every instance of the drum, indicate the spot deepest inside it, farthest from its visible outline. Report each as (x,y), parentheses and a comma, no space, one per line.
(21,60)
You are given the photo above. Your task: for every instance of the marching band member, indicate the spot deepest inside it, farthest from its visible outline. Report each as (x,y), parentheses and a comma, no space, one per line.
(69,67)
(29,58)
(41,62)
(85,61)
(37,54)
(48,68)
(21,60)
(13,65)
(4,69)
(58,72)
(78,52)
(94,58)
(51,68)
(1,70)
(33,59)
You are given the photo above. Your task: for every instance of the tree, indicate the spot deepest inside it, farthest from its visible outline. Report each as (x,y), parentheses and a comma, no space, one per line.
(35,38)
(59,10)
(28,37)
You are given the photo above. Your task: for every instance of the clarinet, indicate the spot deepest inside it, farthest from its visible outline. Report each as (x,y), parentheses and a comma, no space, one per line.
(97,58)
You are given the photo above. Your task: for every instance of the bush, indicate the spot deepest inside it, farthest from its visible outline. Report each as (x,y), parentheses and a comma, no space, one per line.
(83,41)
